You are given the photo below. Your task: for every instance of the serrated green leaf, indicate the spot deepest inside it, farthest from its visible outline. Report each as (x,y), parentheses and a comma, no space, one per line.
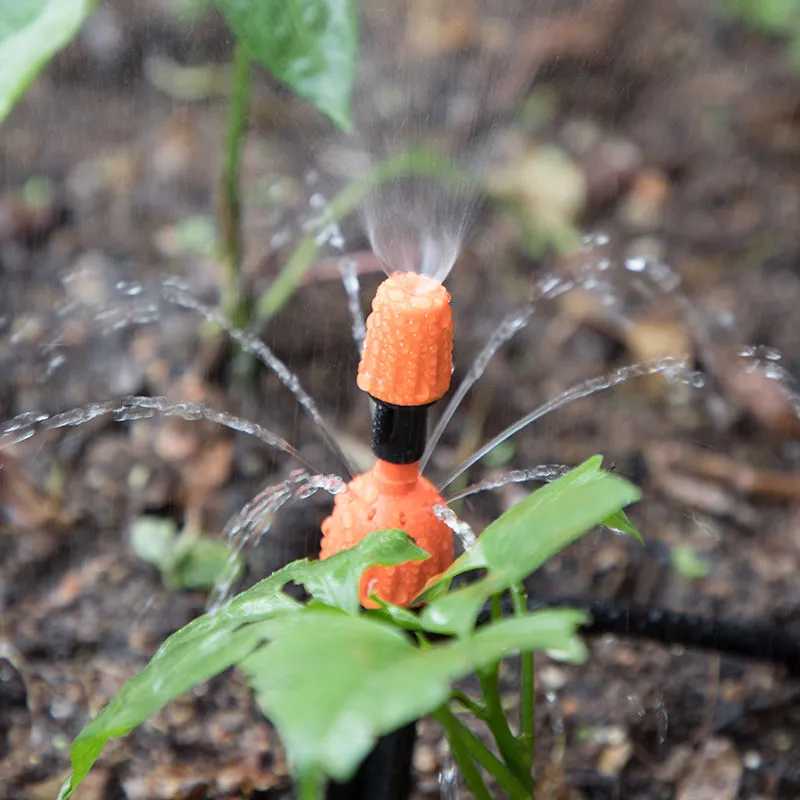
(308,44)
(333,684)
(31,32)
(215,641)
(528,534)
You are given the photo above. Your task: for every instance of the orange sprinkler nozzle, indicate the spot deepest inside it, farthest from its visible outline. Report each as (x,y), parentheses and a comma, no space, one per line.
(408,351)
(390,496)
(406,366)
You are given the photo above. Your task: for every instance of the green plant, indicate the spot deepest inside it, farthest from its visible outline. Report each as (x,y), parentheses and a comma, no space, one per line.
(310,45)
(186,560)
(333,677)
(31,33)
(775,17)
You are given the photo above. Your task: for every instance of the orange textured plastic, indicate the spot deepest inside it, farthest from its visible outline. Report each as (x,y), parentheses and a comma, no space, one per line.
(390,496)
(408,351)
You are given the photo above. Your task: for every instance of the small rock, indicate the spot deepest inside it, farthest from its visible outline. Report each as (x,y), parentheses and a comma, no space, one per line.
(716,773)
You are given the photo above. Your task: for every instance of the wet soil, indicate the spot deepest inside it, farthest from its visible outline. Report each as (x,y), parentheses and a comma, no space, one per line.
(683,126)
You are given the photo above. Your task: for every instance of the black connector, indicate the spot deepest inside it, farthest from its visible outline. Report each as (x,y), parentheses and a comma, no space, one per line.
(399,432)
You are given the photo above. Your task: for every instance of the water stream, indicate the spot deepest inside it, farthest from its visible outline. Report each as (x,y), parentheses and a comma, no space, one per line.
(176,293)
(135,407)
(255,519)
(542,472)
(671,367)
(348,269)
(463,531)
(646,277)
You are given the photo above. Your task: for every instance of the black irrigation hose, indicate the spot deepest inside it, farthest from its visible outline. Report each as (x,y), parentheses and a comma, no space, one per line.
(755,639)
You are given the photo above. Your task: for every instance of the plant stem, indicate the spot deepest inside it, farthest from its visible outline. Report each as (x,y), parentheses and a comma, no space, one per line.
(476,709)
(312,785)
(505,778)
(460,752)
(496,605)
(527,708)
(412,162)
(229,213)
(507,744)
(510,748)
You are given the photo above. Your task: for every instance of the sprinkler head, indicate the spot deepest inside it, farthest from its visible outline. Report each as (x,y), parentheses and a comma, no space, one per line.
(408,351)
(390,496)
(406,366)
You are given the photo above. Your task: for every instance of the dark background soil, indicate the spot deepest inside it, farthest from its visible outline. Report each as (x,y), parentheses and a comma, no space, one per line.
(679,125)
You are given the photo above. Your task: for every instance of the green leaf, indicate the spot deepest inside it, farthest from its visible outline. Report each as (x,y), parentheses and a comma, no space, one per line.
(188,561)
(527,535)
(399,615)
(153,539)
(332,683)
(781,17)
(335,580)
(31,32)
(308,44)
(688,564)
(620,523)
(215,641)
(203,648)
(199,562)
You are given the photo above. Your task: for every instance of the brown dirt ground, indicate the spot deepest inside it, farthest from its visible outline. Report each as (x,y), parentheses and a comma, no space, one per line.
(685,128)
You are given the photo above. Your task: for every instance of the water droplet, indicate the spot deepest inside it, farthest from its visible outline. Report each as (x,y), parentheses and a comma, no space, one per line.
(461,529)
(773,372)
(698,380)
(279,239)
(636,264)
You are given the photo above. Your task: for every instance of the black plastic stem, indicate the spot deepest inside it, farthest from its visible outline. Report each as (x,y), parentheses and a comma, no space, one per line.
(386,772)
(399,432)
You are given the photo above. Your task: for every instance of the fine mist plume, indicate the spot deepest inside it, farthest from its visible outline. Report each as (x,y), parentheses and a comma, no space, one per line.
(417,79)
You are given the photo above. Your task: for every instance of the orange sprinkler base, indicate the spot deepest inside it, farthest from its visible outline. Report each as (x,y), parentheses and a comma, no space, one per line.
(390,496)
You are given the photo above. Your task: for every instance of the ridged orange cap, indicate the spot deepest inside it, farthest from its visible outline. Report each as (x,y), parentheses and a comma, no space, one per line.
(408,351)
(390,496)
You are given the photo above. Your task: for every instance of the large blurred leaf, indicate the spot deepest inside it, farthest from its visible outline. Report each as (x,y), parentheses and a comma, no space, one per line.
(309,44)
(527,535)
(212,643)
(333,683)
(31,32)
